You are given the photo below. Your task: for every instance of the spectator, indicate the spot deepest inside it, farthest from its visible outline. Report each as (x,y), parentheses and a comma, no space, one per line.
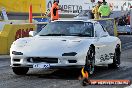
(122,21)
(95,10)
(54,11)
(104,10)
(128,19)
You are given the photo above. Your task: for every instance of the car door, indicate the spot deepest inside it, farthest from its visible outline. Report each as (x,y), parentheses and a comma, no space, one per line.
(102,45)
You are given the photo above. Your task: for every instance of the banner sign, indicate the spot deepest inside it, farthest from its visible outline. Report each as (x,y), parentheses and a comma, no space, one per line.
(122,5)
(76,6)
(71,6)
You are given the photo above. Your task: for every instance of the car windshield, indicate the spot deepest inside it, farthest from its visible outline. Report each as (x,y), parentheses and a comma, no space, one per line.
(68,28)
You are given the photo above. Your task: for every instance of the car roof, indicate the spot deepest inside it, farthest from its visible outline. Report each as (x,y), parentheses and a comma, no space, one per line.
(89,20)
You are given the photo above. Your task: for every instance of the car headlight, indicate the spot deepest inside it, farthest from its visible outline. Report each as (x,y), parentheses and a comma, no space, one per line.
(20,43)
(69,54)
(17,53)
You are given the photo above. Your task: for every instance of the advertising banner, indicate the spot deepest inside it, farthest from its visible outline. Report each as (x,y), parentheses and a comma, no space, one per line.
(71,6)
(75,6)
(122,5)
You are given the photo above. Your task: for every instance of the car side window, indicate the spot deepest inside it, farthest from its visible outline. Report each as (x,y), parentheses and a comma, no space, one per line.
(99,30)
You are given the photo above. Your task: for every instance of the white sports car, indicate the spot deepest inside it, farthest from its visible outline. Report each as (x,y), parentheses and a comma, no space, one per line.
(66,43)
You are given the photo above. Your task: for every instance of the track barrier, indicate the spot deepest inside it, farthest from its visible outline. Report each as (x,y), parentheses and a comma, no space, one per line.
(12,32)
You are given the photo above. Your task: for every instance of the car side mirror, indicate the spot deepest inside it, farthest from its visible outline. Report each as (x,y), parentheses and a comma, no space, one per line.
(32,33)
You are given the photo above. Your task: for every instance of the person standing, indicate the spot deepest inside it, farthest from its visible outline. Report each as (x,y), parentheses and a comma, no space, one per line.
(131,17)
(104,10)
(128,19)
(95,10)
(54,11)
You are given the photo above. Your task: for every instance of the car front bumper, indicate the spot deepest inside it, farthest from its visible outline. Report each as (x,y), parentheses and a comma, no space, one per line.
(54,62)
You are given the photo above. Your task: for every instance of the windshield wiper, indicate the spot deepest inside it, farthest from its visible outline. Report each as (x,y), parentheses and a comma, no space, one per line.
(53,35)
(80,35)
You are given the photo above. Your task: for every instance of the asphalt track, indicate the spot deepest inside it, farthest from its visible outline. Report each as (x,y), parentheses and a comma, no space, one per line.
(39,78)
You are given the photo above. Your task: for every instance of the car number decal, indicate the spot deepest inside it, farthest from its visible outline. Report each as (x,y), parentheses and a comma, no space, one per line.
(45,66)
(106,57)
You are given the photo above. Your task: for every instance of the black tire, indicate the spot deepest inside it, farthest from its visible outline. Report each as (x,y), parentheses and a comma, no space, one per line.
(90,58)
(20,70)
(116,58)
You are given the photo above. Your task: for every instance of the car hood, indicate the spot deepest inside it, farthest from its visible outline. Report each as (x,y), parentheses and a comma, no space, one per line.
(55,46)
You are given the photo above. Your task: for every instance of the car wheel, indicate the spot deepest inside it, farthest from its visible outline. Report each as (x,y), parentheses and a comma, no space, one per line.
(90,59)
(20,70)
(116,58)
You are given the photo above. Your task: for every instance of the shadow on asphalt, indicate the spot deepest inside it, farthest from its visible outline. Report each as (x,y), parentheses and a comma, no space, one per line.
(70,74)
